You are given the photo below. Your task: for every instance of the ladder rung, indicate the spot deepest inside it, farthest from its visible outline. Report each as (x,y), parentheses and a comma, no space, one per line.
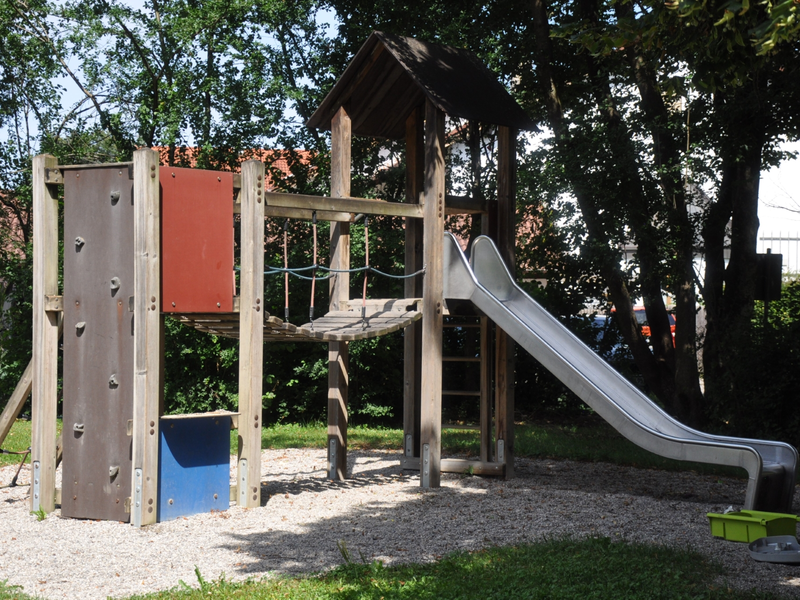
(459,393)
(454,325)
(461,359)
(461,427)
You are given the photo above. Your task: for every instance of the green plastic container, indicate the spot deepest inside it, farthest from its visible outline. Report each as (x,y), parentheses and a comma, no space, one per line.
(751,525)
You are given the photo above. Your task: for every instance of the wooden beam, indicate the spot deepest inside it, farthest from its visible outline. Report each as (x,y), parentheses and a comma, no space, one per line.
(44,374)
(506,195)
(459,465)
(343,204)
(306,214)
(251,334)
(412,337)
(148,323)
(465,205)
(339,289)
(504,348)
(280,212)
(486,391)
(432,299)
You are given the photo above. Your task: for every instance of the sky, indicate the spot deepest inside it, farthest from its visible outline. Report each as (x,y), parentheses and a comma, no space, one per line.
(779,198)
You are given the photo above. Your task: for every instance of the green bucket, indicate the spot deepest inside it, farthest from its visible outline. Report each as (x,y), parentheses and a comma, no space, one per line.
(751,525)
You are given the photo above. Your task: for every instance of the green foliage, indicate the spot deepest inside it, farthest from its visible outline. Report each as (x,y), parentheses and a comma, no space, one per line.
(200,370)
(12,592)
(760,393)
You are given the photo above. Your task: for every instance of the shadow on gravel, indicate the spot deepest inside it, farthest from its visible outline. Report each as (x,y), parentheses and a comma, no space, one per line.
(381,513)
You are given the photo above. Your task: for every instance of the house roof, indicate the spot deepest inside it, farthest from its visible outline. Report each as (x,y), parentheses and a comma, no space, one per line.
(391,75)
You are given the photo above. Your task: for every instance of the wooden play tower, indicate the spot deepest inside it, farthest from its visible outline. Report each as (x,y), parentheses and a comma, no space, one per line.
(143,241)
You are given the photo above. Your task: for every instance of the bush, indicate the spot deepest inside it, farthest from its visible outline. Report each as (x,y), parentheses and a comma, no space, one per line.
(762,381)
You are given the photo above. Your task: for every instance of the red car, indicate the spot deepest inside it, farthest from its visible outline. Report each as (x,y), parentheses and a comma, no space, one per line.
(641,318)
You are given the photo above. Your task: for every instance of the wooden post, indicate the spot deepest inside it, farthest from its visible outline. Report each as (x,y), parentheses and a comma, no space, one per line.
(506,241)
(433,299)
(412,335)
(45,337)
(486,391)
(147,379)
(251,334)
(338,352)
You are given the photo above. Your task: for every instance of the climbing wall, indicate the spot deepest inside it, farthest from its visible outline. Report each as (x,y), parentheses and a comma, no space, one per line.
(98,342)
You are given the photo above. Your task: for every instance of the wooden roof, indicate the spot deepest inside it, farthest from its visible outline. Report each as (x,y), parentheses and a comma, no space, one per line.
(391,75)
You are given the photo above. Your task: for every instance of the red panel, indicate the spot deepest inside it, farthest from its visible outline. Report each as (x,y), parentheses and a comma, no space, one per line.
(196,240)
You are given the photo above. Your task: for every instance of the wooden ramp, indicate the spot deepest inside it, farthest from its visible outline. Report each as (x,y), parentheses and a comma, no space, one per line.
(381,318)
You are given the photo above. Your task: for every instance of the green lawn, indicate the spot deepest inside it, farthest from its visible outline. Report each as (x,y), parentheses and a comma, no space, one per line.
(591,441)
(17,440)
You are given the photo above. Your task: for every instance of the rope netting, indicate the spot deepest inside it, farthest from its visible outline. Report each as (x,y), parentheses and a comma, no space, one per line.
(302,272)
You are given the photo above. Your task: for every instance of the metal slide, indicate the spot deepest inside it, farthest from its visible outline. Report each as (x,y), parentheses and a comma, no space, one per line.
(485,281)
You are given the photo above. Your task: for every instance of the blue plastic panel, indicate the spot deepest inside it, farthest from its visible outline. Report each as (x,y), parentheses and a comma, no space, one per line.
(193,466)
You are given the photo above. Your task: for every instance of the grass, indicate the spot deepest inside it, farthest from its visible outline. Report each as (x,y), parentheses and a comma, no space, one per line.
(17,440)
(591,441)
(588,569)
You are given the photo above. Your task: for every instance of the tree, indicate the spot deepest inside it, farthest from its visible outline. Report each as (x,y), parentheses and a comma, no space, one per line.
(27,107)
(659,122)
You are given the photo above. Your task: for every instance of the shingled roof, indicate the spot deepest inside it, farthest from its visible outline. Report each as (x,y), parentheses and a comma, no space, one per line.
(391,75)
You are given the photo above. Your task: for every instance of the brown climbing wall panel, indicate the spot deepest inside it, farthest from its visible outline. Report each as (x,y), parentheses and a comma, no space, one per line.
(196,241)
(98,342)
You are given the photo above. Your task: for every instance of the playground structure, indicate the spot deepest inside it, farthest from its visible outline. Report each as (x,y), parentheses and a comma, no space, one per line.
(142,242)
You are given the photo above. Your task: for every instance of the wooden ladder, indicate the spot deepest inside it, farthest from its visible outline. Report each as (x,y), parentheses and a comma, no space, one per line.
(484,392)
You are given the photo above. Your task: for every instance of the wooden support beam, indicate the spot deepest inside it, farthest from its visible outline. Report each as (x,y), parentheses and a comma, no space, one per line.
(280,212)
(277,212)
(251,336)
(45,336)
(459,465)
(343,204)
(339,288)
(148,323)
(506,195)
(432,299)
(464,205)
(412,337)
(504,345)
(486,391)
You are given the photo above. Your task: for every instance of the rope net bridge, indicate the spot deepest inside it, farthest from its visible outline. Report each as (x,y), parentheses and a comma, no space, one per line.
(368,319)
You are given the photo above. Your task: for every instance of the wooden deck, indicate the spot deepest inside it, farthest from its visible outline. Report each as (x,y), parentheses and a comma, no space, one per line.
(381,318)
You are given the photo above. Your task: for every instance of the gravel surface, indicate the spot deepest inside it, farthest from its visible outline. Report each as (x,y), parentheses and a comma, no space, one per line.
(380,513)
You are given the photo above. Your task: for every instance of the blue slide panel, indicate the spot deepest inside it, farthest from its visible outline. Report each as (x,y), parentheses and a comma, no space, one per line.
(193,465)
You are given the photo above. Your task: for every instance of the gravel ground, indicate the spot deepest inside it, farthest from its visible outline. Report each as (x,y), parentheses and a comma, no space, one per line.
(381,514)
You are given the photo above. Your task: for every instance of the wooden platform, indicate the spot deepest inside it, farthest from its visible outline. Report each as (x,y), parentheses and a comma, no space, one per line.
(382,317)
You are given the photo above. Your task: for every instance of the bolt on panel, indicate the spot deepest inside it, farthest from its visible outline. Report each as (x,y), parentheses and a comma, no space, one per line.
(98,342)
(196,241)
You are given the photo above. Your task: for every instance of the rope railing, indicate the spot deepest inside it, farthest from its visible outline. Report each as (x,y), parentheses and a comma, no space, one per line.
(329,272)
